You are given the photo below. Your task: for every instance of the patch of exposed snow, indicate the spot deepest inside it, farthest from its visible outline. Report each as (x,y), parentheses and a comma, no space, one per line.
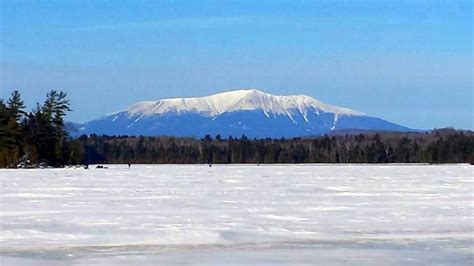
(336,118)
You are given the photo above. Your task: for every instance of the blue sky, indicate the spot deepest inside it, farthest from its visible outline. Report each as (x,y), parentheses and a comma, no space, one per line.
(409,62)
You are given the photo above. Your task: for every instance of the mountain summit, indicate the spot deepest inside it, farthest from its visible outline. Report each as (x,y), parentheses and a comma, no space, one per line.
(246,111)
(238,100)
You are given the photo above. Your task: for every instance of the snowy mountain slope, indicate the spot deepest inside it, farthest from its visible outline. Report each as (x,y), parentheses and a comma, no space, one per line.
(250,112)
(238,100)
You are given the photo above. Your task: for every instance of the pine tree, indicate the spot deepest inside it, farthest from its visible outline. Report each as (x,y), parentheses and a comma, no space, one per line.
(10,130)
(16,105)
(55,108)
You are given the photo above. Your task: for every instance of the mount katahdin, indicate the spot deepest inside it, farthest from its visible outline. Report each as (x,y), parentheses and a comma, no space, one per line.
(234,113)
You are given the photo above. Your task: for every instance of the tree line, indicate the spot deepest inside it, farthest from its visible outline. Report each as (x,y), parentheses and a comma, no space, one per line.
(39,138)
(441,146)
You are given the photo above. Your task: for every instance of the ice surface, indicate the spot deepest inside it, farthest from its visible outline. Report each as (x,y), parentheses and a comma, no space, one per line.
(238,214)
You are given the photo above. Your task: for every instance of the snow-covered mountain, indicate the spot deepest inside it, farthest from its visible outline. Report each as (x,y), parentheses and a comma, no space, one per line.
(247,111)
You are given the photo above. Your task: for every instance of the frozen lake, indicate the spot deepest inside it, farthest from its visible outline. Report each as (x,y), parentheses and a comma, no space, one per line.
(238,214)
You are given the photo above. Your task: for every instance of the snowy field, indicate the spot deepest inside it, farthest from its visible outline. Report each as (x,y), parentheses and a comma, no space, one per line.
(238,214)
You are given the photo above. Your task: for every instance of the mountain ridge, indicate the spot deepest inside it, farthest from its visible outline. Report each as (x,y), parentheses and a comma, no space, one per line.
(234,100)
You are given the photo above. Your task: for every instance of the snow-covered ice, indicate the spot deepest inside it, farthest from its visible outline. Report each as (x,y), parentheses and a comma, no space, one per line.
(238,214)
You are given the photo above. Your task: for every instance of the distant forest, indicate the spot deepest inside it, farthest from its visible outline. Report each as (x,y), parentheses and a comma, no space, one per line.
(39,138)
(443,146)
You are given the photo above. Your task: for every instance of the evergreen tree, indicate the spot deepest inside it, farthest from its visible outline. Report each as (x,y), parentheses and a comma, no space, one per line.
(39,136)
(10,130)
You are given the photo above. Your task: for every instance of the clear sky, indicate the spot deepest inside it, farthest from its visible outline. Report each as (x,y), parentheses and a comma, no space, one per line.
(410,62)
